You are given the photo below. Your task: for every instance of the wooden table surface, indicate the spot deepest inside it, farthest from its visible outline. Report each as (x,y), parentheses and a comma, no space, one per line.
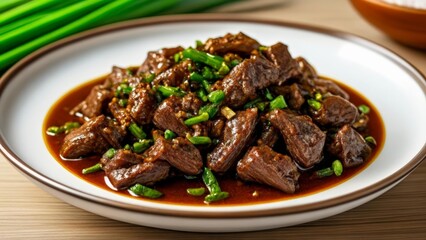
(28,212)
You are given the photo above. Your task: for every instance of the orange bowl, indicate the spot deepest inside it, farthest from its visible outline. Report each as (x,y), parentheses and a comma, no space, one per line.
(403,24)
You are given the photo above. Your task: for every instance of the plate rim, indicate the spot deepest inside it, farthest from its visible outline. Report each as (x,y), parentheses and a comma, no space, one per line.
(34,175)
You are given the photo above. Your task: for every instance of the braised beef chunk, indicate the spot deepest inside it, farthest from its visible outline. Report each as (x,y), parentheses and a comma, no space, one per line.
(95,103)
(306,69)
(121,159)
(327,86)
(173,76)
(281,57)
(178,152)
(158,61)
(261,164)
(145,173)
(190,103)
(216,127)
(141,105)
(350,147)
(305,140)
(165,116)
(269,135)
(252,74)
(239,43)
(119,113)
(336,111)
(294,95)
(236,135)
(93,137)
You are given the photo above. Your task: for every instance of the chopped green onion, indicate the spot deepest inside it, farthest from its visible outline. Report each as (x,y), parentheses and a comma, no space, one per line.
(211,109)
(168,134)
(137,131)
(201,93)
(194,76)
(167,91)
(371,140)
(196,191)
(268,95)
(95,168)
(364,109)
(227,112)
(199,140)
(235,62)
(210,181)
(144,191)
(314,104)
(263,48)
(142,145)
(278,103)
(122,102)
(198,43)
(177,57)
(223,70)
(197,119)
(110,153)
(206,85)
(149,78)
(213,197)
(326,172)
(127,147)
(216,96)
(252,103)
(66,128)
(202,57)
(318,96)
(337,167)
(207,73)
(261,106)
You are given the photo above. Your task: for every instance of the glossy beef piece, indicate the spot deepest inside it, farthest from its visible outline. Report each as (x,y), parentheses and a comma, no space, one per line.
(237,135)
(120,113)
(178,152)
(305,140)
(173,76)
(335,111)
(261,164)
(93,137)
(306,69)
(269,135)
(121,159)
(141,104)
(190,103)
(253,74)
(327,86)
(281,57)
(145,173)
(350,147)
(238,43)
(119,75)
(165,116)
(158,61)
(216,127)
(95,103)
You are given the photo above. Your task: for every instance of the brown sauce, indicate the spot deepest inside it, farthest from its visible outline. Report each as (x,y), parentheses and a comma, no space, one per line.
(174,189)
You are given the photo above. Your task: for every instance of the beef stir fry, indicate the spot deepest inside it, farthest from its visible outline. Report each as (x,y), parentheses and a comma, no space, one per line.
(228,106)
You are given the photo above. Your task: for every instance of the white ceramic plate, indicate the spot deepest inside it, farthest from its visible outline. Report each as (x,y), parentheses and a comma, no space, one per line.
(30,88)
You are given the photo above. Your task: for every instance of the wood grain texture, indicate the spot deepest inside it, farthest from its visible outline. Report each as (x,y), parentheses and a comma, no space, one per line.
(26,212)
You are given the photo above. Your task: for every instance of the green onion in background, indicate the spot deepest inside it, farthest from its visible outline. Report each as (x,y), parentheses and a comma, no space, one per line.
(26,26)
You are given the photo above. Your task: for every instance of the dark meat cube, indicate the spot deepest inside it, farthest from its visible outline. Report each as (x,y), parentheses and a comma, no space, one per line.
(216,127)
(335,111)
(173,76)
(178,152)
(239,43)
(95,103)
(327,86)
(252,74)
(141,105)
(269,135)
(293,94)
(146,173)
(158,61)
(94,136)
(119,113)
(120,75)
(121,159)
(165,116)
(350,147)
(306,69)
(190,103)
(261,164)
(305,140)
(237,135)
(281,57)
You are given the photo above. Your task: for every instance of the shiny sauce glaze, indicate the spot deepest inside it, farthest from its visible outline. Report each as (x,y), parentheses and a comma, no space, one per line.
(174,189)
